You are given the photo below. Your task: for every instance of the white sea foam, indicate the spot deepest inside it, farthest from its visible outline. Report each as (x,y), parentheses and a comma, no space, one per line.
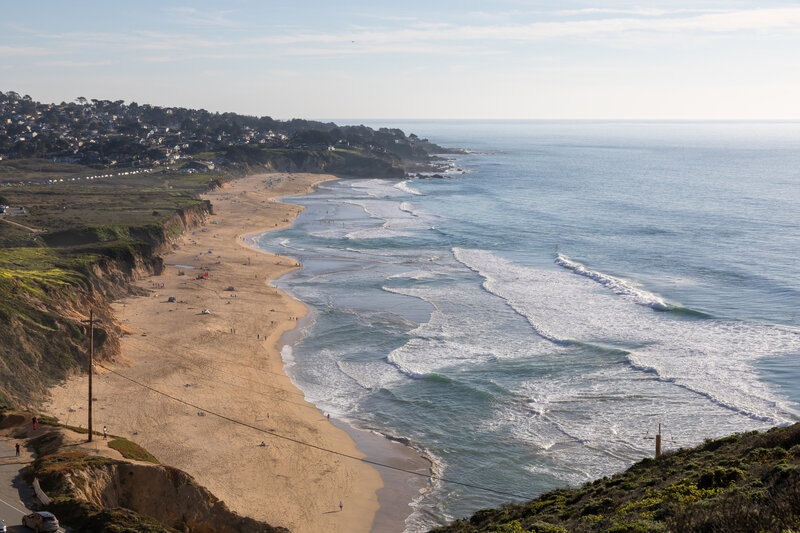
(457,334)
(286,243)
(408,207)
(376,188)
(405,187)
(501,265)
(287,354)
(399,219)
(414,274)
(709,358)
(617,285)
(422,519)
(588,423)
(369,375)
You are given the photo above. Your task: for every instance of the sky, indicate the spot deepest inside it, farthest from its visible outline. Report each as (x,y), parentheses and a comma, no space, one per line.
(506,59)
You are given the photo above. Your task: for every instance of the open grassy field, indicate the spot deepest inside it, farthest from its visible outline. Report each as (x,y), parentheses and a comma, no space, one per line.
(120,201)
(40,169)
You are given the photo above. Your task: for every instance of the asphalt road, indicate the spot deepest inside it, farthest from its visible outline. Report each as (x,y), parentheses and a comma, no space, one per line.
(13,489)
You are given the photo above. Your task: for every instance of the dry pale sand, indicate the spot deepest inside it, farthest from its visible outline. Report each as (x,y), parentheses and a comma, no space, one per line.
(227,362)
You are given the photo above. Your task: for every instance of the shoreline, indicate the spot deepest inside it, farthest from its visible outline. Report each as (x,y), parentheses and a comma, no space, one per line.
(228,360)
(400,490)
(398,486)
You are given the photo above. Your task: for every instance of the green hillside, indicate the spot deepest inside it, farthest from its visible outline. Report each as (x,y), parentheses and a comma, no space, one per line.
(739,484)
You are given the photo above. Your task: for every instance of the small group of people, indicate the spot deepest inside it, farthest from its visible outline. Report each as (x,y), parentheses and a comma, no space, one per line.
(35,421)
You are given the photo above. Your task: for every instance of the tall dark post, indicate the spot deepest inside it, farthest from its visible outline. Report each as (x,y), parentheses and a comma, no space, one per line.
(91,366)
(658,441)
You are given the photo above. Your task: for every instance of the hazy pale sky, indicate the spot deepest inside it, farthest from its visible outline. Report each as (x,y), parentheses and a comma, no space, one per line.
(703,59)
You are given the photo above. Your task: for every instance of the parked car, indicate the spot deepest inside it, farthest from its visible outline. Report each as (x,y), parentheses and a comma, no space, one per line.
(41,522)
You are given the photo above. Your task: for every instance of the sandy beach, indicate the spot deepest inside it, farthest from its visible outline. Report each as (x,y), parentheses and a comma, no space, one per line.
(217,346)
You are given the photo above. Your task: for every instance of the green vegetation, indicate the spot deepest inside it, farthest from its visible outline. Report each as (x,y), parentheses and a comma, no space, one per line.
(106,134)
(62,462)
(115,203)
(36,169)
(742,483)
(91,518)
(88,238)
(342,161)
(53,469)
(131,450)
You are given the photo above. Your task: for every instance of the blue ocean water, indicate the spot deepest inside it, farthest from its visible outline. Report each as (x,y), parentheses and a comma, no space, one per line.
(530,319)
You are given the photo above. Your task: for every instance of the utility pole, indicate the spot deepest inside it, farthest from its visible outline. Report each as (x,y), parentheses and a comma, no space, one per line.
(91,322)
(658,440)
(91,367)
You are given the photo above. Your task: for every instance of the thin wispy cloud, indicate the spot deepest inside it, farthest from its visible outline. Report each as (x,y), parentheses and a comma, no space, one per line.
(75,64)
(420,37)
(388,48)
(523,45)
(387,18)
(195,17)
(644,12)
(24,51)
(169,42)
(784,19)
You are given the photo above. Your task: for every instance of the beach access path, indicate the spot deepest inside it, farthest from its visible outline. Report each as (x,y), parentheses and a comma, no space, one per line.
(215,347)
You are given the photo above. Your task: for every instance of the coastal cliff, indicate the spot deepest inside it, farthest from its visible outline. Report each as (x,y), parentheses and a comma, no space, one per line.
(50,291)
(94,490)
(342,162)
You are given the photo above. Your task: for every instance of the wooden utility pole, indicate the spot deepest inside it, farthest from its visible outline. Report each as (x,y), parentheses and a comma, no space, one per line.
(658,439)
(91,322)
(91,367)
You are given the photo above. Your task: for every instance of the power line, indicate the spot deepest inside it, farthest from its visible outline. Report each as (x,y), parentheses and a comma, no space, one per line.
(314,446)
(274,393)
(275,396)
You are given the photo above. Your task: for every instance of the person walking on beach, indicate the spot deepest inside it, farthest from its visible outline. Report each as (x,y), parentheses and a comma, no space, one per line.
(33,420)
(341,506)
(105,432)
(17,448)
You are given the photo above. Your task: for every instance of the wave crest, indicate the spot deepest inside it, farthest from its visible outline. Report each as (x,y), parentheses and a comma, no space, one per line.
(405,187)
(616,285)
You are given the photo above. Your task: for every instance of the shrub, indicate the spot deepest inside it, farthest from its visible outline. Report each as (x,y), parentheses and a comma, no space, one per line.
(131,450)
(639,526)
(712,445)
(758,454)
(595,506)
(719,477)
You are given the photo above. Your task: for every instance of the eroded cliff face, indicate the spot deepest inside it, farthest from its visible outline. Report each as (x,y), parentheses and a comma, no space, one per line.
(93,490)
(339,163)
(166,494)
(44,338)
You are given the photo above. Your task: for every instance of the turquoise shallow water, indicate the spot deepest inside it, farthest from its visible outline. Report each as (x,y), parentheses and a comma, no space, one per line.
(532,318)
